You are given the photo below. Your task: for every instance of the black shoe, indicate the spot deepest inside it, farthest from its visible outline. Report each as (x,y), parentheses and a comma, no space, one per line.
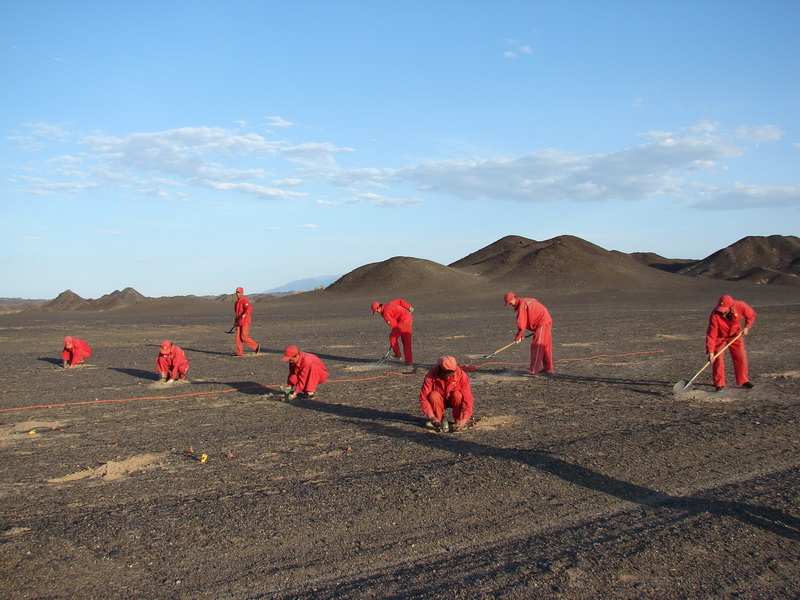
(748,385)
(257,350)
(719,388)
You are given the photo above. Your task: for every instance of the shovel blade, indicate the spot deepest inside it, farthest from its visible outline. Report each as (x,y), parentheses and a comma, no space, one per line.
(682,386)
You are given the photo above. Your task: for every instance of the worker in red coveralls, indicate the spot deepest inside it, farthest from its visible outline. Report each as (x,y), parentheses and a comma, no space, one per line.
(306,372)
(242,309)
(171,363)
(446,385)
(532,315)
(397,315)
(724,324)
(75,352)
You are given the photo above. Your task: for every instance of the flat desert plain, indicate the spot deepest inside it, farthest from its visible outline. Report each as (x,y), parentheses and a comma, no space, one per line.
(597,482)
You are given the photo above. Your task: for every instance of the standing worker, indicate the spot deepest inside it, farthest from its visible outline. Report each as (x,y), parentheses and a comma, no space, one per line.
(242,309)
(446,385)
(171,363)
(397,315)
(306,372)
(532,315)
(724,324)
(75,352)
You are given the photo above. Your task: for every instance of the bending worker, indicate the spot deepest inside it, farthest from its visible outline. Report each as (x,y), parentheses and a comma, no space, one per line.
(75,352)
(446,385)
(306,372)
(532,315)
(242,309)
(397,315)
(171,363)
(724,324)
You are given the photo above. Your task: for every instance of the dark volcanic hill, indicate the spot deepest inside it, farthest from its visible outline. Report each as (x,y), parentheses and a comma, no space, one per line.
(402,273)
(69,300)
(66,300)
(116,299)
(656,261)
(561,261)
(773,259)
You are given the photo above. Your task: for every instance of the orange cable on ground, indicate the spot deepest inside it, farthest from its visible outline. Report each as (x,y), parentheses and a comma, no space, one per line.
(256,387)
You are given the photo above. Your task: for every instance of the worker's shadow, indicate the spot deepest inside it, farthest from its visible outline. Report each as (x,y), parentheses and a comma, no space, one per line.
(379,423)
(53,361)
(640,386)
(365,415)
(137,373)
(347,359)
(198,351)
(250,387)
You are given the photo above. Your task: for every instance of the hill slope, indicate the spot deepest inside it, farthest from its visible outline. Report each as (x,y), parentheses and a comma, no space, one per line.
(561,261)
(402,273)
(772,259)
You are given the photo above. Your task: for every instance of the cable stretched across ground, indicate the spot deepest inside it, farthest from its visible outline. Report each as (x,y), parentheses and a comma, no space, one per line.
(257,387)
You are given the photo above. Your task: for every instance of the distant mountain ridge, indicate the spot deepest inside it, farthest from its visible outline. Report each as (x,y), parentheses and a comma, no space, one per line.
(563,261)
(69,300)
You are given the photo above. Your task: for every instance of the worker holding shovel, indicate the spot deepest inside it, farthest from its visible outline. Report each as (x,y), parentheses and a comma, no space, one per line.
(725,330)
(533,316)
(243,311)
(397,315)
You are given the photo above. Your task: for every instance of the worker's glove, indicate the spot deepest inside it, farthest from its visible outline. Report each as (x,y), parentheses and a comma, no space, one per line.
(291,396)
(518,339)
(411,309)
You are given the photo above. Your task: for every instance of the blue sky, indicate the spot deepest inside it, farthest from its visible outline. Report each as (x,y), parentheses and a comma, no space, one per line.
(189,147)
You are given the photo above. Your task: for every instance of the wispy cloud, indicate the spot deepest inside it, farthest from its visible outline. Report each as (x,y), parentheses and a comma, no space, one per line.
(515,49)
(164,164)
(276,121)
(663,166)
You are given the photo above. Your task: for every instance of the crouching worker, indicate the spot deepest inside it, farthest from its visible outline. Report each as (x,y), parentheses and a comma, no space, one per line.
(171,363)
(306,372)
(75,352)
(446,386)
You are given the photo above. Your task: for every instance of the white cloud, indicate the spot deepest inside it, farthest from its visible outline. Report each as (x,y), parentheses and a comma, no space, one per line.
(314,154)
(663,166)
(43,187)
(276,121)
(764,133)
(49,131)
(744,196)
(383,201)
(307,226)
(251,189)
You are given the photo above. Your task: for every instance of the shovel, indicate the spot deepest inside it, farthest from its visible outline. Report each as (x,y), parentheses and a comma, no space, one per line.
(685,386)
(385,356)
(508,346)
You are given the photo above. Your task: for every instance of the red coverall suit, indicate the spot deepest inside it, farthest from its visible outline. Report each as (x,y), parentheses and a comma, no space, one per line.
(532,315)
(437,394)
(75,351)
(242,310)
(722,328)
(174,364)
(307,373)
(398,317)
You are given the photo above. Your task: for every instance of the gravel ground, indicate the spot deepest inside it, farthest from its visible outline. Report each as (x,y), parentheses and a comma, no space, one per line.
(596,482)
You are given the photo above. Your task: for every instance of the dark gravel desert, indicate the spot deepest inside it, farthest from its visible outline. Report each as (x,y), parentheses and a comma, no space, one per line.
(596,482)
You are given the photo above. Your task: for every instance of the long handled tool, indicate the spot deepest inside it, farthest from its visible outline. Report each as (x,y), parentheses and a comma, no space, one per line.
(508,346)
(385,356)
(685,386)
(231,329)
